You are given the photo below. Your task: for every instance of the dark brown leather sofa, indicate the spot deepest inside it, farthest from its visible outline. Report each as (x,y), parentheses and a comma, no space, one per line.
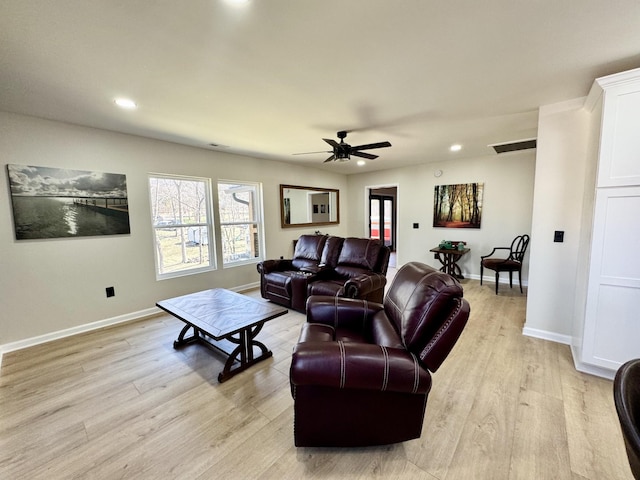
(360,373)
(326,265)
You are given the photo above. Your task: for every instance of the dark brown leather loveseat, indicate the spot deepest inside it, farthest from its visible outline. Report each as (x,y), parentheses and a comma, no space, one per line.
(326,265)
(360,373)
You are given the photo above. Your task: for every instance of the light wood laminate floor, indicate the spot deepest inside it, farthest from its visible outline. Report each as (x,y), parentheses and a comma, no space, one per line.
(122,403)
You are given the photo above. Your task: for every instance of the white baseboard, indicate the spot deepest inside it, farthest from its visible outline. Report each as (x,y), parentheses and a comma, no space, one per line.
(87,327)
(244,288)
(128,317)
(504,279)
(546,335)
(590,369)
(568,340)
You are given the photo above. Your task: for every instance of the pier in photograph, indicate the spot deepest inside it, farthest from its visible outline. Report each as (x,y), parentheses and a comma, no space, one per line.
(114,206)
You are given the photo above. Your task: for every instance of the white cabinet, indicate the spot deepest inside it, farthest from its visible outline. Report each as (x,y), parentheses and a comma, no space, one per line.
(620,138)
(611,329)
(612,321)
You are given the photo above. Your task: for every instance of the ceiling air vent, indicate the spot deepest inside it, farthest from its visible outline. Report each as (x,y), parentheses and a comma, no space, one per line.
(514,146)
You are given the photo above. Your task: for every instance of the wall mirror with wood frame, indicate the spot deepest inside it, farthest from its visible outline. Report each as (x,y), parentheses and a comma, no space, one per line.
(308,206)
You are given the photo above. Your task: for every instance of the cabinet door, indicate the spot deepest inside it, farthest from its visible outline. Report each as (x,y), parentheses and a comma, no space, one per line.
(612,322)
(620,141)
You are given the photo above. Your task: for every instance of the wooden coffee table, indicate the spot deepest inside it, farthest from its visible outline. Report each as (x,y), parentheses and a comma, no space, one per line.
(225,322)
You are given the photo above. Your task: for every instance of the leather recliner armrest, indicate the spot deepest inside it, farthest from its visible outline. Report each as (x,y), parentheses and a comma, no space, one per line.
(361,366)
(268,266)
(364,284)
(340,312)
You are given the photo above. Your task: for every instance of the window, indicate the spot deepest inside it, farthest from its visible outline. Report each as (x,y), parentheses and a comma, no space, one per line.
(241,232)
(181,215)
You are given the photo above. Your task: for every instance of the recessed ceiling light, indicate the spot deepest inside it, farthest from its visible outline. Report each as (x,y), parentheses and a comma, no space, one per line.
(125,103)
(360,163)
(456,147)
(237,2)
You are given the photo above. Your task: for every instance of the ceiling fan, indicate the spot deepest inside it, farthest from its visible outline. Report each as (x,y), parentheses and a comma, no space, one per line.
(342,151)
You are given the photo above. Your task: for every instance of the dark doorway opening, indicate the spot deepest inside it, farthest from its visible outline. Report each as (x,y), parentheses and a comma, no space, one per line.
(382,215)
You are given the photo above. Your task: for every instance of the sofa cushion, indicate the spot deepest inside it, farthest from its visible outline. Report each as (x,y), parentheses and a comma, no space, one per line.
(279,283)
(308,252)
(316,332)
(357,255)
(347,271)
(382,331)
(331,251)
(333,288)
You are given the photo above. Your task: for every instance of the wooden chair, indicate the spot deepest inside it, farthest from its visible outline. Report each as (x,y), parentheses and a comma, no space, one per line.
(513,263)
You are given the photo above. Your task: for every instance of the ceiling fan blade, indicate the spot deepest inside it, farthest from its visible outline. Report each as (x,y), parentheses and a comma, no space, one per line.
(332,142)
(371,146)
(330,159)
(364,155)
(309,153)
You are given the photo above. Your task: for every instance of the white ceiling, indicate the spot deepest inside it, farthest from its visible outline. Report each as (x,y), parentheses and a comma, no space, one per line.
(274,77)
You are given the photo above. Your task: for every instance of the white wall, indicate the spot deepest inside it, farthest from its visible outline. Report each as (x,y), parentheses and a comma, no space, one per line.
(51,285)
(582,274)
(561,166)
(506,211)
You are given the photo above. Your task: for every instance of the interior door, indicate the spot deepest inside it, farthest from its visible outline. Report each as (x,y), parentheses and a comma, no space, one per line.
(382,219)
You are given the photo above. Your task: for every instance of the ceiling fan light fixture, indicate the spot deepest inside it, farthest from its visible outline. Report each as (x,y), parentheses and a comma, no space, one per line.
(342,152)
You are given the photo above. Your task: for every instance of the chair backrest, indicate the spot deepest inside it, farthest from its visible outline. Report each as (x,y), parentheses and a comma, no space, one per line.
(308,251)
(359,255)
(519,248)
(428,311)
(331,251)
(626,396)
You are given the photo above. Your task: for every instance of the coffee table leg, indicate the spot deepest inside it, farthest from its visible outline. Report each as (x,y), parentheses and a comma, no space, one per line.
(243,353)
(240,358)
(181,341)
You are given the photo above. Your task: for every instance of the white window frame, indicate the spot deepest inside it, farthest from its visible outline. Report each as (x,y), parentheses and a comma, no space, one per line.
(258,223)
(208,225)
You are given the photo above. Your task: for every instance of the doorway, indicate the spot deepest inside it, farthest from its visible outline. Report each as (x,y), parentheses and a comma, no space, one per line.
(382,215)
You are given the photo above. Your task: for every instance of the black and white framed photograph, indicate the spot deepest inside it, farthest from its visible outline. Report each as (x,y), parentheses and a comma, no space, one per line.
(56,202)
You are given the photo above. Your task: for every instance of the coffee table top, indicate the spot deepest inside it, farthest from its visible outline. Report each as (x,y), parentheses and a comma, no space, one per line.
(220,312)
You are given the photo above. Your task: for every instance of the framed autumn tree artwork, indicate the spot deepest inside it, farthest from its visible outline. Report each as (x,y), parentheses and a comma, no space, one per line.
(458,206)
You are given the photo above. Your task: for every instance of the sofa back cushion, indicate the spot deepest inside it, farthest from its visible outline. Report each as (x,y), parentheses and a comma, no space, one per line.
(308,252)
(419,302)
(331,251)
(358,255)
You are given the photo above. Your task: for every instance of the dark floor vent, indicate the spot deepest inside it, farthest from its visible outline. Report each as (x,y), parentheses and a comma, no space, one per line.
(514,146)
